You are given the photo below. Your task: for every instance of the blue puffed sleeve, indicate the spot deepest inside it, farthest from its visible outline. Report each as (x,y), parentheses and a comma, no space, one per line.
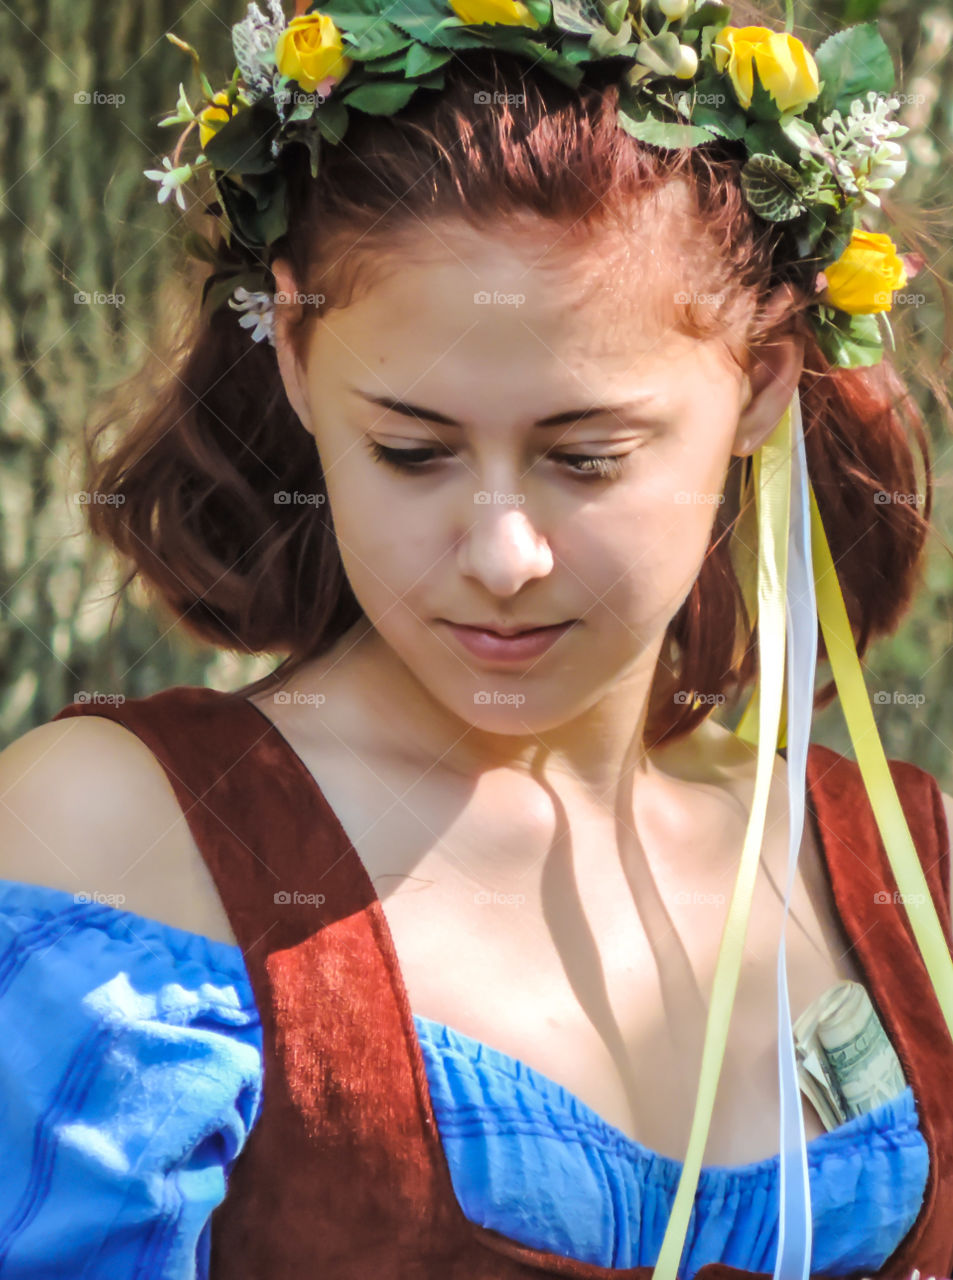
(130,1078)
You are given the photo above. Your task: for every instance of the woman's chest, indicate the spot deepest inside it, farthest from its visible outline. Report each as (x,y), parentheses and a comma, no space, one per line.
(562,938)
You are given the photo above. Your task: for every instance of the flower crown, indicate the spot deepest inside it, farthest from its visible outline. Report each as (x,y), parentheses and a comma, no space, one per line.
(816,127)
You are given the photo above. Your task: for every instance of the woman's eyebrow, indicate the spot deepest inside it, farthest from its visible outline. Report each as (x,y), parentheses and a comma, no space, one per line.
(554,420)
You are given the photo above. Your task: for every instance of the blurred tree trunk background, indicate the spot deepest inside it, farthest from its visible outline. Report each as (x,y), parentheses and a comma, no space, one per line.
(83,89)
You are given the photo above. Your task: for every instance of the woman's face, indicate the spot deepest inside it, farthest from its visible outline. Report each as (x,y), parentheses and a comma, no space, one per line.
(577,450)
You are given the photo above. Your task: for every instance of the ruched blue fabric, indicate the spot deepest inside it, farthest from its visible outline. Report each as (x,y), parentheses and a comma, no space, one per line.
(131,1076)
(533,1161)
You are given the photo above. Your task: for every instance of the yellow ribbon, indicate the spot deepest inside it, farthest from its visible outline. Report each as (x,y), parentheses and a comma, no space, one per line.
(868,749)
(877,778)
(772,467)
(771,475)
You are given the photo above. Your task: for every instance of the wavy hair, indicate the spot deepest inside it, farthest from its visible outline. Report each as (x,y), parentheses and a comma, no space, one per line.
(206,435)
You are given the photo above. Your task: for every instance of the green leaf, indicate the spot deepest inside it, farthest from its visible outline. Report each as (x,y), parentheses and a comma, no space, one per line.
(606,45)
(853,341)
(542,11)
(664,133)
(183,110)
(395,65)
(615,15)
(709,14)
(421,60)
(351,14)
(725,118)
(661,53)
(381,99)
(836,236)
(768,138)
(379,40)
(309,134)
(331,120)
(772,188)
(561,68)
(808,233)
(303,111)
(851,63)
(571,15)
(763,106)
(243,144)
(258,216)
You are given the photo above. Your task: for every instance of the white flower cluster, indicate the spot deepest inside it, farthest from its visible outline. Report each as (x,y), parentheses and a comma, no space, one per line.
(254,40)
(259,309)
(861,147)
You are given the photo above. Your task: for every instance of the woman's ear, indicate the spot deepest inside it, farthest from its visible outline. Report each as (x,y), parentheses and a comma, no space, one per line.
(287,309)
(774,371)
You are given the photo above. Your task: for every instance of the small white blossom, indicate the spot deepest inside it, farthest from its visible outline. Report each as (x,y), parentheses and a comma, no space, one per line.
(171,180)
(259,311)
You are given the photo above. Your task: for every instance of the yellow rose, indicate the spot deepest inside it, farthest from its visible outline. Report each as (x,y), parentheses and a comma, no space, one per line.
(863,278)
(219,114)
(785,67)
(309,50)
(508,13)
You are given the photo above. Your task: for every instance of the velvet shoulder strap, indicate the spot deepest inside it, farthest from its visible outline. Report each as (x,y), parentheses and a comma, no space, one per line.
(338,1167)
(875,924)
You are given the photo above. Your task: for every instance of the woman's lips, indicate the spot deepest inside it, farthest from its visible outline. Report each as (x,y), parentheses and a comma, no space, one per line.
(493,647)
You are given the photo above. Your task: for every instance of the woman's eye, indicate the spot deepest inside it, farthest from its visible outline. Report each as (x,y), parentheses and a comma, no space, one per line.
(598,466)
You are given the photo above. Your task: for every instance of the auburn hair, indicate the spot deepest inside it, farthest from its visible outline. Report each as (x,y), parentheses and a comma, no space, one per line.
(206,435)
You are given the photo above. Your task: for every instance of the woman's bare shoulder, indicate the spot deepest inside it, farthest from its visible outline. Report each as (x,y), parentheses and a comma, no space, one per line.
(87,808)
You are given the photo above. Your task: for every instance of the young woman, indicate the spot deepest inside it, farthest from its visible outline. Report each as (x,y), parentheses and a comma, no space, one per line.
(400,959)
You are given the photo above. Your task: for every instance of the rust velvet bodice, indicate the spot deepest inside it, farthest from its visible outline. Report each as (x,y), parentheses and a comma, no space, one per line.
(343,1176)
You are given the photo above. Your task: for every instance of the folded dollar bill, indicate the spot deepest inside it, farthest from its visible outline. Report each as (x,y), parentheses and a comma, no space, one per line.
(845,1063)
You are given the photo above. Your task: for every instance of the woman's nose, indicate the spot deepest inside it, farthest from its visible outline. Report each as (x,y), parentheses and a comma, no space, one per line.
(502,547)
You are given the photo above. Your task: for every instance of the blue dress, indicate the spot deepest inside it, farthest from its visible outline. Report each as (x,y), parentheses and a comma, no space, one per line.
(131,1077)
